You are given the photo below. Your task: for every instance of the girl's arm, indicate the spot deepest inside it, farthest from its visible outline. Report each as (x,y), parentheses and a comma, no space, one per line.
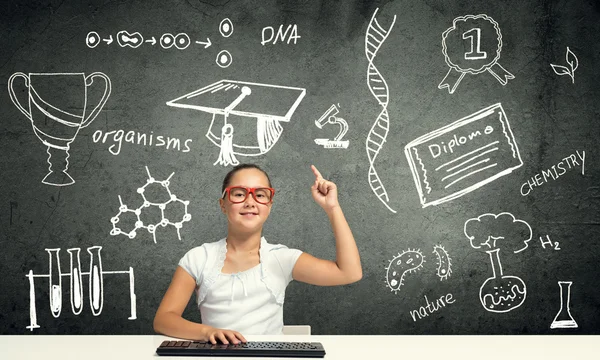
(347,268)
(168,319)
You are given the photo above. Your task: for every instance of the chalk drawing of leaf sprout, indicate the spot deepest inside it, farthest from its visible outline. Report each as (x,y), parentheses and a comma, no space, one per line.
(563,70)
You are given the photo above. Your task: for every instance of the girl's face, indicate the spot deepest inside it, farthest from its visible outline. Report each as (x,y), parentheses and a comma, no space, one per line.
(247,216)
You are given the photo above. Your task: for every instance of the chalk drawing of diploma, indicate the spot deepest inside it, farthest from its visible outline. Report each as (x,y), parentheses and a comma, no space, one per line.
(374,38)
(463,156)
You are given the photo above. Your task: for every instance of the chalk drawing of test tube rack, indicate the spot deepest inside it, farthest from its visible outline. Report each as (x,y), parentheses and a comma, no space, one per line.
(230,100)
(95,280)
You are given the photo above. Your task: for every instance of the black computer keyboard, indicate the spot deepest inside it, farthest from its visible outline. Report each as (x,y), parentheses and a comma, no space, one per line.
(250,348)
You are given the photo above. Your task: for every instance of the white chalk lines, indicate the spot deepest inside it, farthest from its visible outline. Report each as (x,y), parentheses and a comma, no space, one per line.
(180,41)
(329,117)
(400,266)
(125,39)
(501,293)
(58,109)
(410,261)
(554,172)
(374,38)
(226,27)
(171,201)
(486,229)
(563,318)
(280,35)
(265,105)
(469,166)
(224,57)
(95,276)
(483,51)
(495,232)
(573,64)
(444,262)
(461,157)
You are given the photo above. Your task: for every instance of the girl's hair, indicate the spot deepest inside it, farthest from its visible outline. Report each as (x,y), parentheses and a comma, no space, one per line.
(239,167)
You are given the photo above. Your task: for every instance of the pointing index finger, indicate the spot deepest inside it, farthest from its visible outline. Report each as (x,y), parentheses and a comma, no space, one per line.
(316,172)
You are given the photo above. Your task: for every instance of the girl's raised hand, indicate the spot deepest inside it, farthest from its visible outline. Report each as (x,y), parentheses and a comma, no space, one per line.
(324,191)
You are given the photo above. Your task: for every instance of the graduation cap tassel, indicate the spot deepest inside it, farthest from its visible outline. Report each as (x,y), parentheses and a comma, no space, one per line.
(268,132)
(226,156)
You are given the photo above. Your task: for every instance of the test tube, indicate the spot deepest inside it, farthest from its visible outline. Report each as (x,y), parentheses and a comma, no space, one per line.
(96,280)
(55,282)
(76,283)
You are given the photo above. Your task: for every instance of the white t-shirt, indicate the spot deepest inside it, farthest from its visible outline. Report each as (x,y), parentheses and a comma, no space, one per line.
(251,301)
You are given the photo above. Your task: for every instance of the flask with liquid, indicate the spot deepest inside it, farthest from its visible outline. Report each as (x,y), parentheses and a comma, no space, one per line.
(563,318)
(501,293)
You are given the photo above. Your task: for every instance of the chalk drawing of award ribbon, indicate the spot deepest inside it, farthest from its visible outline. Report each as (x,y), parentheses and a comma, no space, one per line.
(374,38)
(477,60)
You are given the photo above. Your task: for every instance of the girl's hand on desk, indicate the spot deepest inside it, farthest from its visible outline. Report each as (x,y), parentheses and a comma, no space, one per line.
(324,191)
(224,336)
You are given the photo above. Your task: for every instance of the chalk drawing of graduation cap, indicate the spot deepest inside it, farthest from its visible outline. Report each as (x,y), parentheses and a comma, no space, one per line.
(256,108)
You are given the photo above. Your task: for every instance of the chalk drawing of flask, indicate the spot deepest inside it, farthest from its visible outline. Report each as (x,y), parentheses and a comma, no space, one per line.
(563,318)
(501,293)
(57,109)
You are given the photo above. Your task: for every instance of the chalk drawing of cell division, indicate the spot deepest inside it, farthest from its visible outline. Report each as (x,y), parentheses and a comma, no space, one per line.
(95,276)
(226,27)
(171,202)
(472,45)
(400,266)
(92,39)
(255,109)
(374,39)
(224,58)
(181,41)
(126,39)
(463,156)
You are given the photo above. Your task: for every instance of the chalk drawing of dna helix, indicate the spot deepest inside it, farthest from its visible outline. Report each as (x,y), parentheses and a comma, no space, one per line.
(374,38)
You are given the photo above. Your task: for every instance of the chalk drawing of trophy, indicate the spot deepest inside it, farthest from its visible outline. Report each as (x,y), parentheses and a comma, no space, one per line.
(57,108)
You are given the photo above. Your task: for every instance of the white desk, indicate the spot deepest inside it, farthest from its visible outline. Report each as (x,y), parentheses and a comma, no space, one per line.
(143,347)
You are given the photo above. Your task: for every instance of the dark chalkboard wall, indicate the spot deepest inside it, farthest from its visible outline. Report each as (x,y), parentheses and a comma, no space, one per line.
(531,209)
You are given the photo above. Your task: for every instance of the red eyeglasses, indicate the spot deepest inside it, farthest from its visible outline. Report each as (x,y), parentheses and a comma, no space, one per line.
(239,194)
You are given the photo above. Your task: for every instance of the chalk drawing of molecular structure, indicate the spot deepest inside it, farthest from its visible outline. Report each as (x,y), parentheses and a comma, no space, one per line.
(95,284)
(162,206)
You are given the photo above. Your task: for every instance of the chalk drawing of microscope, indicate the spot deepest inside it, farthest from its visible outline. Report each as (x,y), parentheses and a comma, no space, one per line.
(329,117)
(95,279)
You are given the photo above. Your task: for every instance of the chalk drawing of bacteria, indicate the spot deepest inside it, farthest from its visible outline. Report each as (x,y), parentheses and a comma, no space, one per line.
(404,263)
(444,262)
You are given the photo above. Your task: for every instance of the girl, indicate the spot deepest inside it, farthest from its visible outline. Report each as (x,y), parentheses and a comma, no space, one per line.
(240,281)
